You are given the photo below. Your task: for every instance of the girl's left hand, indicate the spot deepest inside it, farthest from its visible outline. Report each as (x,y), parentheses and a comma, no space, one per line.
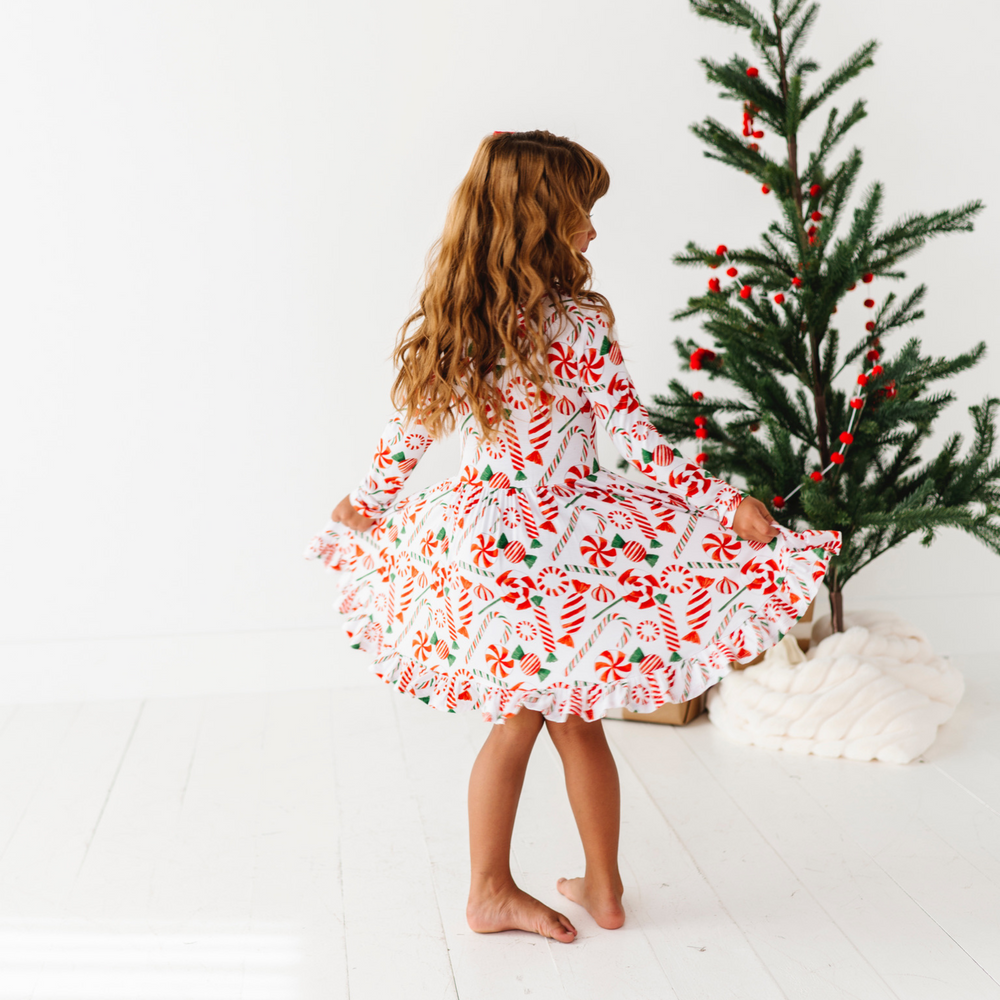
(754,522)
(345,513)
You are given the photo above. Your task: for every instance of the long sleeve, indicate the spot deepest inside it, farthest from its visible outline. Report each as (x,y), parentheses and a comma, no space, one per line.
(399,449)
(603,376)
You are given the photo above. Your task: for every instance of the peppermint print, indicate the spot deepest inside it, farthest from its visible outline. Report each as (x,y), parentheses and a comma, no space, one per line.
(536,579)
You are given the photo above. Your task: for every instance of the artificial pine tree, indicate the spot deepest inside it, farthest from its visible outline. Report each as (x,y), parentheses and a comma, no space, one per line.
(815,452)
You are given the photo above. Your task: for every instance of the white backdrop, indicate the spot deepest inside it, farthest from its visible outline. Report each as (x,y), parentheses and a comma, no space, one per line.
(215,217)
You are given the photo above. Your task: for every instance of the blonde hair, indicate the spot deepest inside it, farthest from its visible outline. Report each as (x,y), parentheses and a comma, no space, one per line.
(507,243)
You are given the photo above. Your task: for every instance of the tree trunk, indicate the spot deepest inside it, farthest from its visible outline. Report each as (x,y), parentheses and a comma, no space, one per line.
(836,610)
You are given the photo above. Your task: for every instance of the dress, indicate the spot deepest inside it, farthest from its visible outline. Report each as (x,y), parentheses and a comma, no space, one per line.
(536,579)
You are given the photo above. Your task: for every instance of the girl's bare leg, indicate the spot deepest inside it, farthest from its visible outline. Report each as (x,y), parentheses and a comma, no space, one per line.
(495,902)
(592,784)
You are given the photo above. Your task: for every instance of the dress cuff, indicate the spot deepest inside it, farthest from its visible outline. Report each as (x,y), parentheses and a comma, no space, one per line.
(363,504)
(724,504)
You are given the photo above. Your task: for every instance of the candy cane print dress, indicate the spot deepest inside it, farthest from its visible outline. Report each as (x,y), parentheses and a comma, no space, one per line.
(536,579)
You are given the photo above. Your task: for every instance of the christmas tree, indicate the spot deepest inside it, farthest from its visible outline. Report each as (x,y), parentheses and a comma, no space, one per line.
(816,452)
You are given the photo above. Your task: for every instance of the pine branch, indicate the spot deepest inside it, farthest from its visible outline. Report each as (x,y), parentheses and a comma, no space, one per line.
(798,33)
(731,148)
(847,71)
(734,12)
(910,234)
(834,132)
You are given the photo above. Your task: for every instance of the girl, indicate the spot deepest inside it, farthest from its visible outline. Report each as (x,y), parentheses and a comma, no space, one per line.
(536,586)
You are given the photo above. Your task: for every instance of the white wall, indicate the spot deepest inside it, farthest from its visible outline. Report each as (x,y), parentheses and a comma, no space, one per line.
(215,216)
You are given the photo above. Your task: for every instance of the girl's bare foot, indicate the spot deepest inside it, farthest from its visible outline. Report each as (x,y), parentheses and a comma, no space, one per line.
(512,909)
(605,906)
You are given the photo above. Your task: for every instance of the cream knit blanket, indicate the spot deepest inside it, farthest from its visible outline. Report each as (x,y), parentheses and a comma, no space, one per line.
(876,691)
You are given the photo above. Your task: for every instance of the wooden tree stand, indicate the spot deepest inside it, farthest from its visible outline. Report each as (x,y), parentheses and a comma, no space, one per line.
(681,713)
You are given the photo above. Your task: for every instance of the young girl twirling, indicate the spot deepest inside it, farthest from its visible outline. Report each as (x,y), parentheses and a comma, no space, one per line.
(535,586)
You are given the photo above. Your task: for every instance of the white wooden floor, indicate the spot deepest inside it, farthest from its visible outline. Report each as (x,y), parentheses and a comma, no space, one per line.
(312,845)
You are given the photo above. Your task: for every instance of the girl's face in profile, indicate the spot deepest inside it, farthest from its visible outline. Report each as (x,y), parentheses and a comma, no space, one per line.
(581,240)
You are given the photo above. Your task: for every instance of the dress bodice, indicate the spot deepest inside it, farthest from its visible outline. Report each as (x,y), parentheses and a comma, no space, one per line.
(547,436)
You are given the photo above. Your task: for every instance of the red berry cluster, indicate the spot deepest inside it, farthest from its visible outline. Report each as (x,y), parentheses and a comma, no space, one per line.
(750,111)
(863,379)
(703,354)
(699,356)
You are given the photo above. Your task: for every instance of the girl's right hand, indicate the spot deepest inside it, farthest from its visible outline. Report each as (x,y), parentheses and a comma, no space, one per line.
(753,522)
(344,513)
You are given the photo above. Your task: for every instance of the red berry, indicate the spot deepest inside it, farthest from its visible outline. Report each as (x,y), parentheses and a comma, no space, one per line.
(869,325)
(816,216)
(779,298)
(695,361)
(812,240)
(811,230)
(765,189)
(758,134)
(855,285)
(746,128)
(837,457)
(754,427)
(857,403)
(816,475)
(720,250)
(877,342)
(752,71)
(862,379)
(847,438)
(876,371)
(700,457)
(778,502)
(732,272)
(713,284)
(745,292)
(797,281)
(869,303)
(701,433)
(866,278)
(700,421)
(753,146)
(814,190)
(697,394)
(872,355)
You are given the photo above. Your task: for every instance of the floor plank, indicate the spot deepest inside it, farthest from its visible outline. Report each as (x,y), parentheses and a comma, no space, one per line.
(389,898)
(313,845)
(440,749)
(893,933)
(805,951)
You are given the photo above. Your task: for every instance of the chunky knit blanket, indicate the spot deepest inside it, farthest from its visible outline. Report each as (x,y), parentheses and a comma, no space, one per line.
(876,691)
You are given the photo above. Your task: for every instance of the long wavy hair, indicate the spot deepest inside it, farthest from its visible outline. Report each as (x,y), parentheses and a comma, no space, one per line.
(507,244)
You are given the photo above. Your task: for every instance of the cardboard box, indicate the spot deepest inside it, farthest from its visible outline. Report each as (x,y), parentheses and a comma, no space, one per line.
(670,714)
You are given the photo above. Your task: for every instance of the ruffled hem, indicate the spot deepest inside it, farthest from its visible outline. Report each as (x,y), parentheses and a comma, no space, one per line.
(750,630)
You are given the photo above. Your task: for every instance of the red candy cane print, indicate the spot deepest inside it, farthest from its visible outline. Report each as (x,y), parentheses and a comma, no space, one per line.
(490,616)
(548,639)
(540,429)
(698,610)
(561,450)
(514,448)
(549,506)
(407,592)
(592,638)
(642,522)
(574,612)
(669,628)
(529,518)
